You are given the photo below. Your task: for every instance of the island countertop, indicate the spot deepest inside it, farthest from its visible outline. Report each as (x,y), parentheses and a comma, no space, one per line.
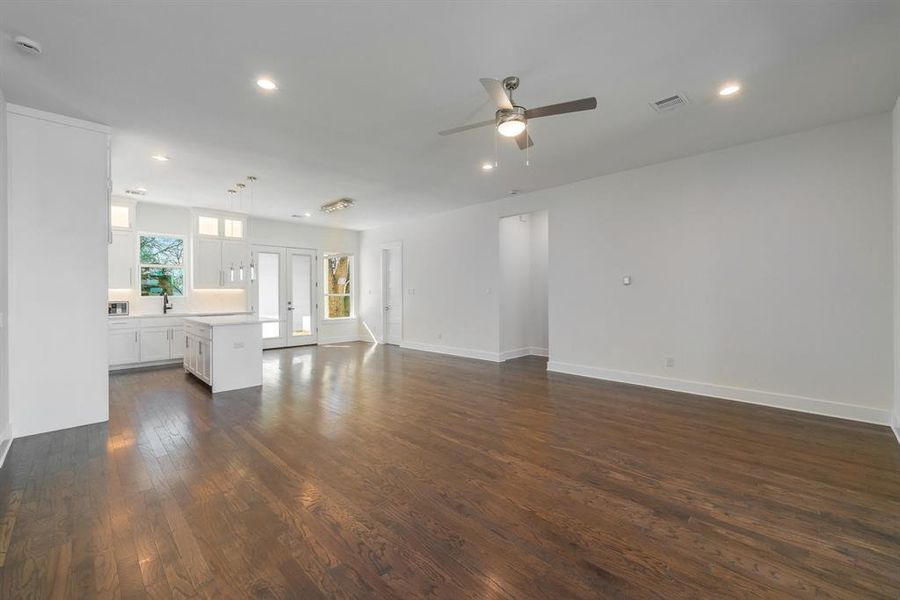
(228,320)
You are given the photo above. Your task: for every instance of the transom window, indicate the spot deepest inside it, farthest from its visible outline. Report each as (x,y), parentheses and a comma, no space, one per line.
(162,265)
(338,286)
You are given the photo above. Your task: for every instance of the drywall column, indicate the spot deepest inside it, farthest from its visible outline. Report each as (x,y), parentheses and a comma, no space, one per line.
(58,233)
(538,325)
(5,428)
(895,413)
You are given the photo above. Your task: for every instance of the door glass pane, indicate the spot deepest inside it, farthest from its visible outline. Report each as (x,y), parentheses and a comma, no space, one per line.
(267,276)
(301,275)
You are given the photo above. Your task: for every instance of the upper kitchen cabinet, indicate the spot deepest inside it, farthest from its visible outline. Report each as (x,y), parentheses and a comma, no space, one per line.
(221,256)
(121,260)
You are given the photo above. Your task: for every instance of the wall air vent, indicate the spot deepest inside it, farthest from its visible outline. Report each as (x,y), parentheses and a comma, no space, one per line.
(669,104)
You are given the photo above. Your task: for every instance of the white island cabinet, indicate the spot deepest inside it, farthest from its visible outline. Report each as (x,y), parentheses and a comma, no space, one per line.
(225,352)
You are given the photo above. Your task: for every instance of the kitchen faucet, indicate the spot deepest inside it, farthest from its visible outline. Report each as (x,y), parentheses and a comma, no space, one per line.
(167,306)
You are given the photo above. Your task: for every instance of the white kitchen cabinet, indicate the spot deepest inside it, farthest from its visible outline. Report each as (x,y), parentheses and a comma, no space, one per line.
(198,355)
(207,263)
(217,263)
(178,339)
(124,345)
(121,260)
(155,343)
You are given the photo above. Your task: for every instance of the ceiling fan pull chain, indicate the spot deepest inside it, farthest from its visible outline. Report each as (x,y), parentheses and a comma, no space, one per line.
(496,149)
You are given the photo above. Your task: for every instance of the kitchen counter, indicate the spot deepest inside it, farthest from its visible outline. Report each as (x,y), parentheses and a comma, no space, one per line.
(175,315)
(229,320)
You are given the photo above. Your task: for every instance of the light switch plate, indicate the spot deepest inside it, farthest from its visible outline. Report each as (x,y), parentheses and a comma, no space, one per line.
(626,280)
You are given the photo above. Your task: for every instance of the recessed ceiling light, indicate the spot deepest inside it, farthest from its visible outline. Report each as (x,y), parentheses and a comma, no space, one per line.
(729,89)
(487,167)
(305,215)
(160,157)
(267,84)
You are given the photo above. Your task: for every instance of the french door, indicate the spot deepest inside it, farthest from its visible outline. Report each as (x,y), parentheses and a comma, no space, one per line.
(283,289)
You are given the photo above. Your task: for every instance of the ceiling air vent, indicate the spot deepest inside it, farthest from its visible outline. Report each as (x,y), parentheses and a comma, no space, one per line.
(669,104)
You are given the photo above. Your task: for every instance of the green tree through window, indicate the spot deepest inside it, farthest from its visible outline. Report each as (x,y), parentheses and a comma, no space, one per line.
(162,265)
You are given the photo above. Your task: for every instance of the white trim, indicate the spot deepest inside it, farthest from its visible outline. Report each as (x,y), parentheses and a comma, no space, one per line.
(895,423)
(339,339)
(6,440)
(24,111)
(816,406)
(148,364)
(452,351)
(526,351)
(515,353)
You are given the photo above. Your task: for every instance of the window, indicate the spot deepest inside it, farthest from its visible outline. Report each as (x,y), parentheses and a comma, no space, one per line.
(234,228)
(208,226)
(162,265)
(338,299)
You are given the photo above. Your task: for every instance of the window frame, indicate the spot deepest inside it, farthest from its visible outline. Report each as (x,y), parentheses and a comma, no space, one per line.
(183,266)
(351,293)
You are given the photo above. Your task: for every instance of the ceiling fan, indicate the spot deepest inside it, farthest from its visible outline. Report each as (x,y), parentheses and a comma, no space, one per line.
(511,120)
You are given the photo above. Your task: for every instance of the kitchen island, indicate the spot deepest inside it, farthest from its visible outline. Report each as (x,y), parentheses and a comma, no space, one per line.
(225,351)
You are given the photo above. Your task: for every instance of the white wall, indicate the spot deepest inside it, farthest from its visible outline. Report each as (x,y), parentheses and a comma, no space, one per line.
(538,324)
(895,420)
(515,285)
(763,270)
(58,219)
(5,429)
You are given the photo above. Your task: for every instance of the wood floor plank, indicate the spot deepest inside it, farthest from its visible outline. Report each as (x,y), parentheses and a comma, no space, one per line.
(362,471)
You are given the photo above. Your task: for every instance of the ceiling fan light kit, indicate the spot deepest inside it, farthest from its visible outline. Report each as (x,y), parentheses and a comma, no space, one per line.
(510,119)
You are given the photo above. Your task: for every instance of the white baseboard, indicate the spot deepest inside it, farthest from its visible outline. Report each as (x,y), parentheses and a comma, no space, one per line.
(816,406)
(515,353)
(452,351)
(146,365)
(895,423)
(526,351)
(6,440)
(339,339)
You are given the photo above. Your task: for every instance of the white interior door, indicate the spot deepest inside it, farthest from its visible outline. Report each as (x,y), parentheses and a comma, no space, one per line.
(301,298)
(392,292)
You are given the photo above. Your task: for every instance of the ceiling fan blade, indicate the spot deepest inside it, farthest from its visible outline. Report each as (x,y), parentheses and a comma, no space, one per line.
(524,140)
(561,108)
(466,127)
(495,90)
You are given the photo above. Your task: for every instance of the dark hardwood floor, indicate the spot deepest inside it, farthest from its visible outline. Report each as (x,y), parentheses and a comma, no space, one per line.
(372,472)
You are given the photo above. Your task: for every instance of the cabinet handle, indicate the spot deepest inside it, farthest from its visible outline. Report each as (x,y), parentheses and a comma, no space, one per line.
(200,348)
(186,344)
(135,337)
(130,276)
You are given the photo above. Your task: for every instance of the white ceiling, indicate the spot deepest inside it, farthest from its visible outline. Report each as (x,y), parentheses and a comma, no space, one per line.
(364,87)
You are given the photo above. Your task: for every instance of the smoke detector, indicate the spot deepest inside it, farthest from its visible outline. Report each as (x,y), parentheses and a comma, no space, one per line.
(27,45)
(669,104)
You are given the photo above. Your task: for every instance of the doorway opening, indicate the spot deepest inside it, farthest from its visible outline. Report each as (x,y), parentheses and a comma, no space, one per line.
(524,313)
(283,291)
(392,293)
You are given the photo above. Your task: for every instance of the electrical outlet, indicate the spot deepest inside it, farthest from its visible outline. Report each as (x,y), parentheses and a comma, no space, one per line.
(440,336)
(670,362)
